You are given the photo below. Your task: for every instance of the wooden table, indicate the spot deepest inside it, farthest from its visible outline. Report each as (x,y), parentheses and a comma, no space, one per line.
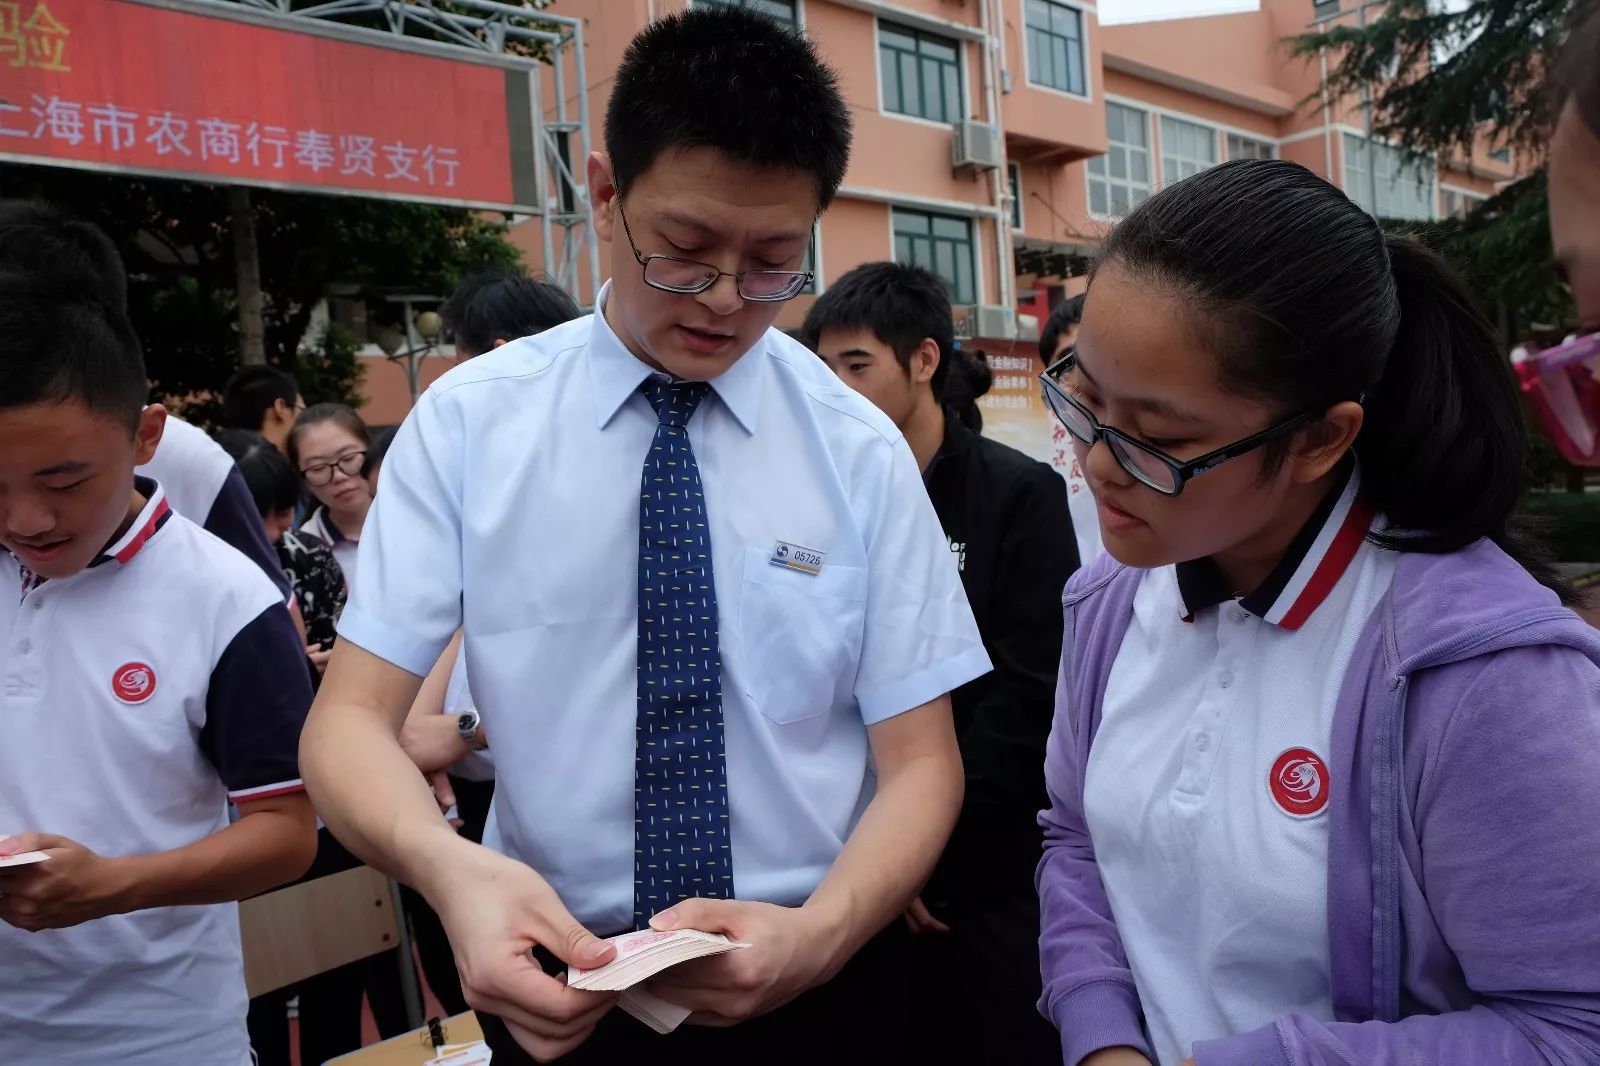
(411,1049)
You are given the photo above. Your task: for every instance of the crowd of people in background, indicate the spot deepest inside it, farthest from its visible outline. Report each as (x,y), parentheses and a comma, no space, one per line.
(1277,743)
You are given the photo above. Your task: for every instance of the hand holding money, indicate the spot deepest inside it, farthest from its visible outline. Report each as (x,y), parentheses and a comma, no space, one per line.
(495,910)
(791,950)
(642,955)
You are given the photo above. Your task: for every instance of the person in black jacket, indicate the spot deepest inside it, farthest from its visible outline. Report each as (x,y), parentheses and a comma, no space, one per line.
(886,330)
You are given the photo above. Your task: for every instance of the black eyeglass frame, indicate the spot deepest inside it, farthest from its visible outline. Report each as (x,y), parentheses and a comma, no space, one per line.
(324,471)
(1182,470)
(802,278)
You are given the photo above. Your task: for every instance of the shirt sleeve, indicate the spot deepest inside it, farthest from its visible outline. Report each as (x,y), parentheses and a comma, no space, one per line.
(256,706)
(920,639)
(407,603)
(233,518)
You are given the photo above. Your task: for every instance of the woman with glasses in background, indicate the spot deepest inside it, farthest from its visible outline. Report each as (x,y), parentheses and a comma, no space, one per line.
(328,449)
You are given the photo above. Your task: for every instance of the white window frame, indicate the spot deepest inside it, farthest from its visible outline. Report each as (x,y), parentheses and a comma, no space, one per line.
(1229,138)
(1083,10)
(1187,165)
(962,72)
(1390,156)
(1147,116)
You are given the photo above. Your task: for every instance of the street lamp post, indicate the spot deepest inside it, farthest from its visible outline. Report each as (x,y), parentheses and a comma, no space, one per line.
(420,339)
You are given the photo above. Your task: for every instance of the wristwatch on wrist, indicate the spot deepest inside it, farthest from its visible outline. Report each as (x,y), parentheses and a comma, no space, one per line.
(468,727)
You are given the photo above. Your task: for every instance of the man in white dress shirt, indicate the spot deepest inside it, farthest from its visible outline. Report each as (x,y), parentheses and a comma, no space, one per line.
(711,619)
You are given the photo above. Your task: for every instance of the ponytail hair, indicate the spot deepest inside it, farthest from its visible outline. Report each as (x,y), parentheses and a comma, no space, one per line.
(1306,303)
(968,378)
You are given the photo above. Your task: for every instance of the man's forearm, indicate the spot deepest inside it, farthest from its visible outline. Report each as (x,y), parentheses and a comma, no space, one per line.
(895,845)
(273,843)
(370,793)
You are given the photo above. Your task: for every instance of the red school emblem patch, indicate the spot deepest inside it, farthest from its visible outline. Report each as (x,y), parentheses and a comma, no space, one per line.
(133,682)
(1299,783)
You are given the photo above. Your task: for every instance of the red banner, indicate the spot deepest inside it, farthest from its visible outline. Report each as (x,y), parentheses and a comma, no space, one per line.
(244,98)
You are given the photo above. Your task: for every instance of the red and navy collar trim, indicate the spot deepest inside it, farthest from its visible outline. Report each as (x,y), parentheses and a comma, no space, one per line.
(154,515)
(151,518)
(1318,556)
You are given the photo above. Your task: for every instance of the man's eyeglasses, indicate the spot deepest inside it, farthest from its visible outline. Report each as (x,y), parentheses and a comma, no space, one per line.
(1146,463)
(687,277)
(349,464)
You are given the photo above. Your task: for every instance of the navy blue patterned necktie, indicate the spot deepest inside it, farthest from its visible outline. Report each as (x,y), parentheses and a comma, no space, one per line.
(682,847)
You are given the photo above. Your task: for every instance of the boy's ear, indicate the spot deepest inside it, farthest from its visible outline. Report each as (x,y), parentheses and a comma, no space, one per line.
(152,423)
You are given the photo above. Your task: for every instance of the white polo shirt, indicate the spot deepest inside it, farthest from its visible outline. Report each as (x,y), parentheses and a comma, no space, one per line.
(1207,788)
(510,507)
(346,552)
(140,695)
(204,485)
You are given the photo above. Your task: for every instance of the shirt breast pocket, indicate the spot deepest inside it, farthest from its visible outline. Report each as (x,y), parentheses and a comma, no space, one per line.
(800,636)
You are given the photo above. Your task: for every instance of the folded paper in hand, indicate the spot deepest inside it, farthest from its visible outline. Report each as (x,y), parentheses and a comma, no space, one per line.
(640,956)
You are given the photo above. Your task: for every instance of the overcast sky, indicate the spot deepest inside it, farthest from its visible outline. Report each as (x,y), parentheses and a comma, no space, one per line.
(1113,12)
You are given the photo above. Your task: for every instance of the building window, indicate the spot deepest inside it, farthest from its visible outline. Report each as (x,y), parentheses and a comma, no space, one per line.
(921,73)
(1250,148)
(1186,148)
(1055,46)
(940,243)
(785,11)
(1405,187)
(1323,8)
(1119,181)
(1016,196)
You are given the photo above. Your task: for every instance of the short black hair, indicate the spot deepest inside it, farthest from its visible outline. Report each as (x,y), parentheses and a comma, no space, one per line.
(65,335)
(39,238)
(902,305)
(502,307)
(1066,314)
(733,80)
(266,472)
(252,391)
(378,450)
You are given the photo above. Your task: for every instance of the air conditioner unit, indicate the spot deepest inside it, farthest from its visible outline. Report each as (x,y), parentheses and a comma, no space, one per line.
(974,146)
(999,323)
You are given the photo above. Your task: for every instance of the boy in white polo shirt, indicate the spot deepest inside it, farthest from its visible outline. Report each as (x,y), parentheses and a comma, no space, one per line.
(149,674)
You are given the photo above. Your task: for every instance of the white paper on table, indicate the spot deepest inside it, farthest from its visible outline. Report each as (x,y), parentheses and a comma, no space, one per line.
(467,1055)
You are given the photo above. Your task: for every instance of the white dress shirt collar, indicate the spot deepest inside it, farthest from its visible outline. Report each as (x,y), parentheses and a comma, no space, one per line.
(615,374)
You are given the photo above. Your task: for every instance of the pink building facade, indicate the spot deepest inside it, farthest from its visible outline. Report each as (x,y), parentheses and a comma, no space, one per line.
(997,140)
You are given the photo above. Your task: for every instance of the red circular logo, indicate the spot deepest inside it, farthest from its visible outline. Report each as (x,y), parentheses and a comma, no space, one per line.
(1299,782)
(133,682)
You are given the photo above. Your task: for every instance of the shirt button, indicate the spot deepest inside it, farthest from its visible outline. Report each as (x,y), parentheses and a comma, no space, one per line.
(25,647)
(38,604)
(1202,742)
(1225,679)
(1241,615)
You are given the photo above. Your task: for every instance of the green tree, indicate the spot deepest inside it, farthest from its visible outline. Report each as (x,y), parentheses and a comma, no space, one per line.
(176,240)
(1441,76)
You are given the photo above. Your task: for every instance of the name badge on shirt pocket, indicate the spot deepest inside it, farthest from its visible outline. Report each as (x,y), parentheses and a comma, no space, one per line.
(794,557)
